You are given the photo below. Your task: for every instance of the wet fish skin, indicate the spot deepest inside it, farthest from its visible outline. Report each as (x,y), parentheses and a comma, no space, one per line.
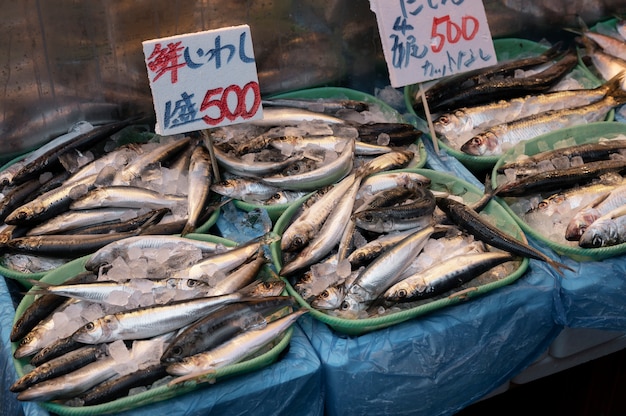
(43,306)
(600,206)
(59,366)
(200,179)
(221,325)
(149,321)
(471,221)
(242,345)
(607,230)
(444,276)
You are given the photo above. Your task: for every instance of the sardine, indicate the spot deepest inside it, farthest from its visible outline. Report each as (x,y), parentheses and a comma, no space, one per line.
(221,325)
(123,196)
(444,276)
(607,230)
(150,321)
(466,218)
(600,206)
(494,140)
(74,219)
(326,105)
(384,271)
(245,189)
(284,116)
(329,173)
(200,178)
(233,351)
(59,366)
(242,167)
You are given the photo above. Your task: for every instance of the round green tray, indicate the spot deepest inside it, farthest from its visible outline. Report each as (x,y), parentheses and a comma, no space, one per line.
(442,182)
(275,211)
(156,394)
(588,133)
(506,49)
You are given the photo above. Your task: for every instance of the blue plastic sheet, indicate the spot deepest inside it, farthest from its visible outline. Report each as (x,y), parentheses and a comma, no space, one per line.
(290,386)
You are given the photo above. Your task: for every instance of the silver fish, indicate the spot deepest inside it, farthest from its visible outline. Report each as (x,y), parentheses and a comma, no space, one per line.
(122,196)
(74,219)
(328,174)
(444,276)
(602,205)
(281,116)
(245,189)
(233,351)
(242,167)
(150,321)
(608,230)
(200,177)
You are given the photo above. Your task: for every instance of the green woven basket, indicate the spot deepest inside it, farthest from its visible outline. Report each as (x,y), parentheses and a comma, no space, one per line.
(588,133)
(156,394)
(441,182)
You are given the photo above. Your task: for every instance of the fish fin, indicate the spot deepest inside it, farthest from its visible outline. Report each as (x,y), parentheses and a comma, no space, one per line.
(558,267)
(488,194)
(197,377)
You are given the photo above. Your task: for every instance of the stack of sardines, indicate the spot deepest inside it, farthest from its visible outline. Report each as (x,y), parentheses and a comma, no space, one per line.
(162,313)
(376,250)
(480,114)
(304,144)
(569,189)
(96,185)
(604,48)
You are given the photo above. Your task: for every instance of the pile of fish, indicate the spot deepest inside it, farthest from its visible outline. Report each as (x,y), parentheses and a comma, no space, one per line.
(605,48)
(485,112)
(573,195)
(148,311)
(374,243)
(302,145)
(88,188)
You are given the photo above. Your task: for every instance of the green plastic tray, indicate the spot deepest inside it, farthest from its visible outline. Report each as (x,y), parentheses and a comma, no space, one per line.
(156,394)
(275,211)
(442,182)
(506,49)
(588,133)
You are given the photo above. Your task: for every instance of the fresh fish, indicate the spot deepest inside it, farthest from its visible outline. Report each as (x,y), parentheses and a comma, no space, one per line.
(609,44)
(119,387)
(150,321)
(285,197)
(200,178)
(559,178)
(306,225)
(255,169)
(607,230)
(602,205)
(55,349)
(71,384)
(59,366)
(110,252)
(281,116)
(135,168)
(504,88)
(388,134)
(397,159)
(607,65)
(588,152)
(477,225)
(444,276)
(388,180)
(455,125)
(363,255)
(55,201)
(329,235)
(326,105)
(52,152)
(232,351)
(70,220)
(126,196)
(263,288)
(383,272)
(43,306)
(245,189)
(221,325)
(496,139)
(138,223)
(448,86)
(329,173)
(331,298)
(116,158)
(239,277)
(330,143)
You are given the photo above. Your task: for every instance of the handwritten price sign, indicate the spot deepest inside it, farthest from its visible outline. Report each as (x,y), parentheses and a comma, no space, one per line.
(428,39)
(203,80)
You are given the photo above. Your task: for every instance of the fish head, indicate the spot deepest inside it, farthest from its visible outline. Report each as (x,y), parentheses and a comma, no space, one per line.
(27,346)
(94,332)
(601,235)
(330,298)
(368,221)
(483,144)
(449,122)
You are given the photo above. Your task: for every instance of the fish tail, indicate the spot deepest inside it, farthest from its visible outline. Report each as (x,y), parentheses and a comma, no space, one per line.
(616,91)
(558,267)
(188,228)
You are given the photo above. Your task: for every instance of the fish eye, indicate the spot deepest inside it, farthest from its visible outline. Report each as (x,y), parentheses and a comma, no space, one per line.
(345,306)
(26,340)
(177,350)
(298,241)
(267,285)
(542,205)
(444,119)
(402,293)
(325,294)
(192,283)
(89,326)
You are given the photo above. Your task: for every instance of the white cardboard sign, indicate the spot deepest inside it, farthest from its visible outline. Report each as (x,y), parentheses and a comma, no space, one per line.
(203,80)
(428,39)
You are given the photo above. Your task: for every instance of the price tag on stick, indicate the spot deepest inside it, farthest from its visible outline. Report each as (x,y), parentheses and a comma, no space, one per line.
(428,39)
(203,80)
